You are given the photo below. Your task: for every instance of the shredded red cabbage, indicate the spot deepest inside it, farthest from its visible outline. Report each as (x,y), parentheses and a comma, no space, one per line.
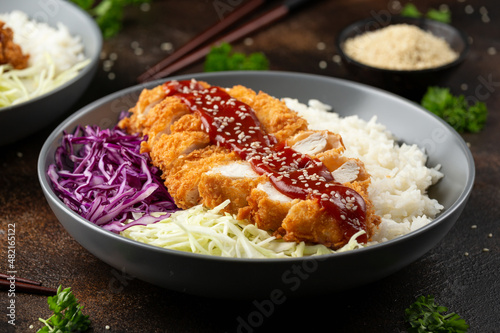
(101,175)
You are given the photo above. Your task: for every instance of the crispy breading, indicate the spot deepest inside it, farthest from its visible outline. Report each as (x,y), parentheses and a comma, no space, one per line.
(274,115)
(264,212)
(167,149)
(309,222)
(216,188)
(183,176)
(148,99)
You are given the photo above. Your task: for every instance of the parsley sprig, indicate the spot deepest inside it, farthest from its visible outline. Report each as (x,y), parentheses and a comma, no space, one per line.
(410,10)
(426,316)
(455,110)
(222,58)
(107,13)
(67,317)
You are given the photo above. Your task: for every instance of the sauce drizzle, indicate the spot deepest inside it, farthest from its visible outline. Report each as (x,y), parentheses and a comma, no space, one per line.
(234,125)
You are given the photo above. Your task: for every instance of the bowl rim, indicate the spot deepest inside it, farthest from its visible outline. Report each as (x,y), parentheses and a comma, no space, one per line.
(90,67)
(57,132)
(397,19)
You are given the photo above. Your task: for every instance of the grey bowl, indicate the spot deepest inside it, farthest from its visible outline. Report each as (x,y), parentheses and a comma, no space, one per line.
(19,121)
(257,278)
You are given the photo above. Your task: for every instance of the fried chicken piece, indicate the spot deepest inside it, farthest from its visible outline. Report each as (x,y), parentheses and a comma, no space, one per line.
(184,175)
(152,106)
(233,181)
(169,148)
(313,142)
(10,52)
(328,148)
(173,131)
(270,210)
(274,115)
(148,99)
(267,207)
(300,220)
(307,221)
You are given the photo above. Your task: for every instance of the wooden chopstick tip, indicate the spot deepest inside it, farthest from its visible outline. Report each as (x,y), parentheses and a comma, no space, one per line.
(13,284)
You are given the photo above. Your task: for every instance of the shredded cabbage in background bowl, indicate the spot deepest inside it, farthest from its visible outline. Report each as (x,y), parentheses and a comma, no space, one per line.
(204,231)
(20,85)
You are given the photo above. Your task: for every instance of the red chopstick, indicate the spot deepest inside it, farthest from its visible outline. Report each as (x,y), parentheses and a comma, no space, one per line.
(278,12)
(204,37)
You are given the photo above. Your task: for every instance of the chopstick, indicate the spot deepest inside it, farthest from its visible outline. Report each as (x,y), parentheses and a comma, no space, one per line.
(159,71)
(24,285)
(204,37)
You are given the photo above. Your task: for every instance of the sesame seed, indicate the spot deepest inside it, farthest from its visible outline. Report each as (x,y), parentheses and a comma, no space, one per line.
(167,46)
(444,7)
(337,59)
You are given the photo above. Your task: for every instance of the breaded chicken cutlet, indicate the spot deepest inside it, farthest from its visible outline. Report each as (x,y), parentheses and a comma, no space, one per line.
(214,144)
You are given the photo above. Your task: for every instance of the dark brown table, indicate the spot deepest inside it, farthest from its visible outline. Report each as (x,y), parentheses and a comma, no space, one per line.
(462,271)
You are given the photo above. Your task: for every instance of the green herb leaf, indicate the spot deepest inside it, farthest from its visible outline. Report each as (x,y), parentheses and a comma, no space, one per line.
(108,14)
(84,4)
(410,10)
(220,58)
(426,316)
(439,15)
(455,110)
(67,316)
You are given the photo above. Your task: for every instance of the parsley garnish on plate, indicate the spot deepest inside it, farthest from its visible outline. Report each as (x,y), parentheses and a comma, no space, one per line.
(455,110)
(222,58)
(426,316)
(67,317)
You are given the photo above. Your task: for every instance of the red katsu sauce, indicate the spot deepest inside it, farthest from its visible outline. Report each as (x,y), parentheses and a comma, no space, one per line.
(234,125)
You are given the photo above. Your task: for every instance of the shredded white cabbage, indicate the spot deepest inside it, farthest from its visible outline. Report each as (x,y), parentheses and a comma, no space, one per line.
(200,230)
(20,85)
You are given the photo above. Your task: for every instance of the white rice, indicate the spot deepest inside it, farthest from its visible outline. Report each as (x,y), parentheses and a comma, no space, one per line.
(399,175)
(41,40)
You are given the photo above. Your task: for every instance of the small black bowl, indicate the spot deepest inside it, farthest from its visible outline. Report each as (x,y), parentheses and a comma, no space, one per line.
(411,84)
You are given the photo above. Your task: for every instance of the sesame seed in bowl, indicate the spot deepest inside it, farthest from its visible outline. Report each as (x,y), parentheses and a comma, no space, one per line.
(402,55)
